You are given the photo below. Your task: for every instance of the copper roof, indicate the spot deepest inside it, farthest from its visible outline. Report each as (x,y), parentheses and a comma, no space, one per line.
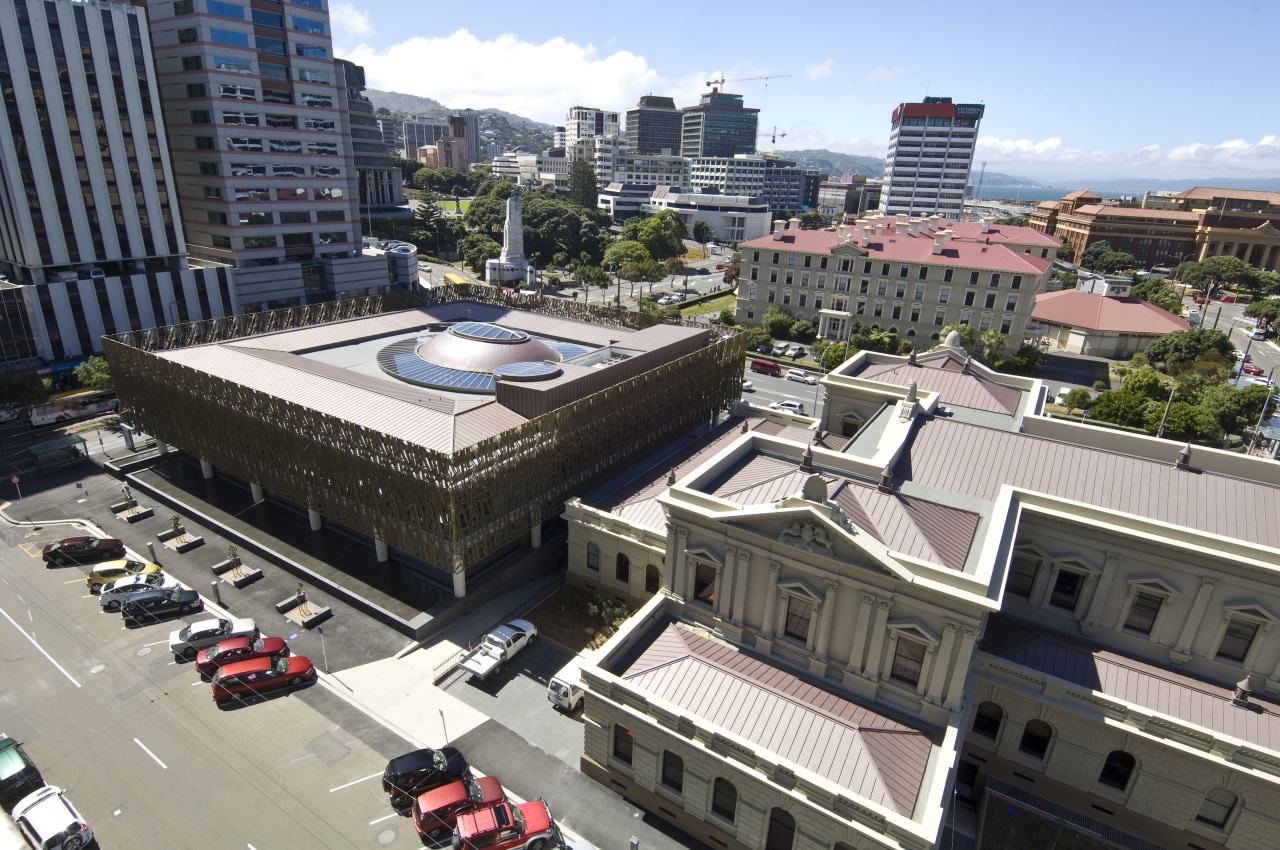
(870,755)
(945,375)
(1208,193)
(1078,309)
(1079,194)
(1108,211)
(1185,698)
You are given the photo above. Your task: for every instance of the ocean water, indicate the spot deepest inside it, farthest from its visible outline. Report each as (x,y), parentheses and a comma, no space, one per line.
(1021,194)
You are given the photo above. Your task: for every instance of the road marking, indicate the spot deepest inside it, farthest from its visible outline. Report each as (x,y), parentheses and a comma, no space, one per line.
(148,752)
(381,819)
(157,643)
(355,782)
(74,580)
(38,646)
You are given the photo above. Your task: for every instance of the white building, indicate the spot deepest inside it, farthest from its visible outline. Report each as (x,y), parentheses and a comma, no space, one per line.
(586,122)
(732,218)
(930,156)
(742,174)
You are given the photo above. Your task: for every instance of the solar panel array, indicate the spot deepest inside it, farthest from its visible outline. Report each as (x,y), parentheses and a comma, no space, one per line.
(484,330)
(400,359)
(527,370)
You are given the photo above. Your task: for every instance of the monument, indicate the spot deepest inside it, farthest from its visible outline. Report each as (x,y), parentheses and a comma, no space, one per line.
(511,266)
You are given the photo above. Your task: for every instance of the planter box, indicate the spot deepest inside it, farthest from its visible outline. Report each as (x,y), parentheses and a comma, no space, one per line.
(316,618)
(224,566)
(289,603)
(181,545)
(136,514)
(242,576)
(168,534)
(119,507)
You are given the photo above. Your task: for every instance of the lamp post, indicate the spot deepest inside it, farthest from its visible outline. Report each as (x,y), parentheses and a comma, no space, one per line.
(1173,388)
(1257,429)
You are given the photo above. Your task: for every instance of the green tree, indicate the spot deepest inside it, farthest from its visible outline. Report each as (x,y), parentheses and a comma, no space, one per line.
(1267,308)
(834,354)
(1234,409)
(992,345)
(662,234)
(1159,293)
(777,321)
(673,265)
(702,232)
(408,168)
(757,337)
(1066,251)
(22,388)
(802,331)
(1077,399)
(485,216)
(556,230)
(94,373)
(502,190)
(1015,220)
(624,252)
(732,272)
(429,225)
(813,220)
(476,248)
(968,336)
(1185,421)
(1092,253)
(1179,346)
(1214,273)
(584,191)
(1121,407)
(727,318)
(426,178)
(590,276)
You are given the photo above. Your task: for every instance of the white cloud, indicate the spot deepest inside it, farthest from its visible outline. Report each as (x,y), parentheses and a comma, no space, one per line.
(351,21)
(881,73)
(822,69)
(538,81)
(1049,158)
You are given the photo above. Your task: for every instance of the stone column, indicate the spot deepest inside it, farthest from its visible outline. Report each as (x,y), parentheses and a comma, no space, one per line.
(206,469)
(942,662)
(1102,589)
(771,601)
(724,579)
(162,447)
(682,563)
(669,562)
(535,536)
(1181,651)
(861,620)
(742,572)
(968,637)
(1124,609)
(824,620)
(878,634)
(380,547)
(255,492)
(313,517)
(459,584)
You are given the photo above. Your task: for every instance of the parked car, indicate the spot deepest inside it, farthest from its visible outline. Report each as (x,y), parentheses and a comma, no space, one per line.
(1240,355)
(187,642)
(795,351)
(1200,299)
(1251,369)
(764,349)
(505,826)
(49,822)
(1257,333)
(19,775)
(259,675)
(801,375)
(1226,298)
(408,775)
(435,812)
(497,648)
(780,349)
(110,571)
(83,550)
(788,406)
(243,648)
(151,606)
(113,595)
(748,386)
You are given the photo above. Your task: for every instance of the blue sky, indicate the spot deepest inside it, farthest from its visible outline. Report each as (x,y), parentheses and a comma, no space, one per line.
(1179,89)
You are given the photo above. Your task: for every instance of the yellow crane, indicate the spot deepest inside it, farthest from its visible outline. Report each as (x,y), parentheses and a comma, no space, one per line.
(721,79)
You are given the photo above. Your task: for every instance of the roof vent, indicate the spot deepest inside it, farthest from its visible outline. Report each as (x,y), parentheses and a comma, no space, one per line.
(911,358)
(1184,457)
(1243,692)
(968,360)
(745,429)
(886,480)
(671,477)
(806,460)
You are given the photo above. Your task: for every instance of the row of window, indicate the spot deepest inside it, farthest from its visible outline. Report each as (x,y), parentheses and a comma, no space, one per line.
(267,71)
(622,569)
(1117,770)
(724,795)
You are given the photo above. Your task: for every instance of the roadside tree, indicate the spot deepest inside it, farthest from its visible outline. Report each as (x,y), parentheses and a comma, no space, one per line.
(1179,346)
(1077,399)
(727,318)
(1214,273)
(94,373)
(584,191)
(662,234)
(476,249)
(702,232)
(1160,294)
(23,388)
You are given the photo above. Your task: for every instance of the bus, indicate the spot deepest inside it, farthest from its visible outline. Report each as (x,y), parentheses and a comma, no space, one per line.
(79,406)
(455,280)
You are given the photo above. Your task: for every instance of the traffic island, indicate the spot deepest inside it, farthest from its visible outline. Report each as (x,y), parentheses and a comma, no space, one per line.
(135,514)
(184,543)
(297,609)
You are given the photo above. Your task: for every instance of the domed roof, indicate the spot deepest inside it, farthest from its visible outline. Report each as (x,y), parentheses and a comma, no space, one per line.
(467,355)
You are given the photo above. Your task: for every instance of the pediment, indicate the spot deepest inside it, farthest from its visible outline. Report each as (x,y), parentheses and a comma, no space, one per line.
(1256,612)
(805,533)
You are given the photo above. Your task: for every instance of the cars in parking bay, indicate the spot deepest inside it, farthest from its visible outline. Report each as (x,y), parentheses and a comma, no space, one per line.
(109,571)
(151,606)
(113,595)
(780,348)
(49,822)
(408,775)
(189,640)
(260,675)
(243,648)
(435,812)
(788,405)
(801,375)
(83,550)
(507,826)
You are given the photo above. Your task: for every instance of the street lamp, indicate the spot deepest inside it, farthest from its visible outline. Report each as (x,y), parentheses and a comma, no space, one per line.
(1173,388)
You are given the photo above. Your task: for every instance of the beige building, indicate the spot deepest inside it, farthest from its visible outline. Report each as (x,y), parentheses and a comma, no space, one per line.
(932,610)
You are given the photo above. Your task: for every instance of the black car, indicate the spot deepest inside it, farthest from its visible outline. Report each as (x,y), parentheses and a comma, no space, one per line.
(409,775)
(151,606)
(83,550)
(18,774)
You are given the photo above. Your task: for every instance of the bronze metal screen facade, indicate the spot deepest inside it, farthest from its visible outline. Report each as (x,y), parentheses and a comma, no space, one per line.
(447,509)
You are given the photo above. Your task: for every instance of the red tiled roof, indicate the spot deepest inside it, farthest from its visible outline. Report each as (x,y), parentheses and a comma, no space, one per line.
(1208,193)
(1078,194)
(1103,313)
(848,744)
(1101,211)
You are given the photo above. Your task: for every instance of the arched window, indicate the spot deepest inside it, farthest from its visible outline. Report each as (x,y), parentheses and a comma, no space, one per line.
(623,744)
(593,557)
(673,771)
(1117,770)
(1217,807)
(652,579)
(1035,738)
(782,830)
(840,845)
(622,568)
(724,799)
(751,312)
(986,720)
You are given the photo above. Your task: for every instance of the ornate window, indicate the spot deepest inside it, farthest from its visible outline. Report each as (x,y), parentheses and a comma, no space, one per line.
(1117,770)
(908,661)
(623,744)
(622,568)
(593,557)
(799,614)
(987,719)
(1217,807)
(724,799)
(1237,640)
(673,771)
(1143,612)
(1036,736)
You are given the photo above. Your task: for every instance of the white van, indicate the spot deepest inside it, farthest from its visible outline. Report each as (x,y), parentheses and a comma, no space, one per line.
(564,690)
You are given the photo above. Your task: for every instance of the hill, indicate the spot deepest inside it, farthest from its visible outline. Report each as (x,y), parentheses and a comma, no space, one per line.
(500,128)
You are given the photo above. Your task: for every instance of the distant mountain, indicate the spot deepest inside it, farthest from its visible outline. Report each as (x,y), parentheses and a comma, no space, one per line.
(503,129)
(836,164)
(406,104)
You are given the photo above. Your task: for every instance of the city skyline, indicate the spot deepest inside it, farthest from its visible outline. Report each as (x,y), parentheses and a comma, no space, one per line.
(1050,82)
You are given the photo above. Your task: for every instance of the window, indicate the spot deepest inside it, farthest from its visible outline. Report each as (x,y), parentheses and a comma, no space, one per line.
(1236,640)
(623,744)
(939,317)
(901,291)
(944,294)
(249,119)
(1066,590)
(1017,282)
(324,125)
(297,240)
(274,46)
(987,719)
(238,92)
(192,63)
(209,169)
(799,612)
(924,272)
(1143,612)
(325,148)
(1217,807)
(308,25)
(990,302)
(260,242)
(622,568)
(973,278)
(232,64)
(269,71)
(268,19)
(1011,303)
(1117,770)
(228,37)
(242,143)
(724,799)
(995,280)
(285,145)
(197,90)
(212,192)
(968,298)
(946,276)
(287,122)
(273,96)
(225,10)
(1035,738)
(295,217)
(200,116)
(311,51)
(326,171)
(187,35)
(908,660)
(312,75)
(884,269)
(919,294)
(673,771)
(593,557)
(182,7)
(704,583)
(902,272)
(255,218)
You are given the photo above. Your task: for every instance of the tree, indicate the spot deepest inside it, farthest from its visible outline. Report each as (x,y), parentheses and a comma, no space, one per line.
(1066,251)
(1234,409)
(476,249)
(1213,273)
(624,252)
(727,318)
(1172,349)
(813,220)
(1093,253)
(591,276)
(662,234)
(702,232)
(1267,308)
(1121,407)
(426,178)
(802,331)
(94,373)
(22,388)
(1182,421)
(732,272)
(968,336)
(556,231)
(1017,220)
(777,321)
(673,265)
(485,216)
(757,337)
(1077,399)
(430,224)
(992,345)
(1159,293)
(584,191)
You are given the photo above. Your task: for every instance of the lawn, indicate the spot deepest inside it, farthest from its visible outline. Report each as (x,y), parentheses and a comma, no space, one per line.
(448,206)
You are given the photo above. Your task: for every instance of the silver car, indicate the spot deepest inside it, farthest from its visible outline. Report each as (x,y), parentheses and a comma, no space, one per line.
(114,594)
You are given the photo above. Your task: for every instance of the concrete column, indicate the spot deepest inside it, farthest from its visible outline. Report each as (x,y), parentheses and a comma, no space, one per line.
(739,612)
(313,517)
(206,469)
(255,492)
(380,547)
(724,582)
(682,562)
(862,619)
(942,662)
(1124,609)
(459,584)
(1091,623)
(968,637)
(771,601)
(669,562)
(878,633)
(824,620)
(1182,649)
(162,447)
(535,536)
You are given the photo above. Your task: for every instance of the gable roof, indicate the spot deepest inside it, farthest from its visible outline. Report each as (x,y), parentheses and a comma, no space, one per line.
(945,375)
(1078,309)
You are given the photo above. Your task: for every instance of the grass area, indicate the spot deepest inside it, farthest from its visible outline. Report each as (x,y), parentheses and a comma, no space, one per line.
(448,206)
(577,619)
(724,302)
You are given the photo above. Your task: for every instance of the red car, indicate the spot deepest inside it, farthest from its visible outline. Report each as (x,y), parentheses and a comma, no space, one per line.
(435,812)
(251,678)
(504,826)
(83,550)
(1226,298)
(1251,369)
(242,648)
(1200,299)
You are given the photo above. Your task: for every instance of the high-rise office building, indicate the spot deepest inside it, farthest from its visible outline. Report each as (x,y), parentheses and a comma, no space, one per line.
(381,182)
(423,133)
(930,156)
(262,149)
(653,126)
(719,126)
(585,122)
(91,239)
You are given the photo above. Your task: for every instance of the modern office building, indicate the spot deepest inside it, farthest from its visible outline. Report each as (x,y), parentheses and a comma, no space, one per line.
(91,236)
(653,126)
(788,186)
(852,194)
(263,156)
(930,156)
(586,122)
(911,277)
(718,126)
(423,132)
(381,182)
(740,174)
(732,218)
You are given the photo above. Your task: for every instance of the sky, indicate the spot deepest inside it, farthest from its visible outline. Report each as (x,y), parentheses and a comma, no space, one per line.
(1170,90)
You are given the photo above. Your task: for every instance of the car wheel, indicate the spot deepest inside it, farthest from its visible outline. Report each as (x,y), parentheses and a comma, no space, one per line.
(457,842)
(189,653)
(185,609)
(537,844)
(75,842)
(111,606)
(296,680)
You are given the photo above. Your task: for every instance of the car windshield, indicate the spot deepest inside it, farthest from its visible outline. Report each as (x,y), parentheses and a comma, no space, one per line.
(474,794)
(185,633)
(280,665)
(438,761)
(256,645)
(224,626)
(517,819)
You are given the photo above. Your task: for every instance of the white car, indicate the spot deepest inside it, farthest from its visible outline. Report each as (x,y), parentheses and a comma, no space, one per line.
(187,642)
(801,375)
(789,406)
(49,821)
(121,589)
(747,386)
(779,349)
(1257,333)
(1240,355)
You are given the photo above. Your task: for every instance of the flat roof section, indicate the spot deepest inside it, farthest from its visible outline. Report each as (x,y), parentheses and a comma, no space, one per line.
(855,748)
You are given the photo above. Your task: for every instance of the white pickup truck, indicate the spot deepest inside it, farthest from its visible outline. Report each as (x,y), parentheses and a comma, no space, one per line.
(497,648)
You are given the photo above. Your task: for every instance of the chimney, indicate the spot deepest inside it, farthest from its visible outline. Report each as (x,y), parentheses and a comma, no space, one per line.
(671,477)
(793,224)
(968,359)
(911,358)
(939,242)
(778,227)
(886,480)
(986,224)
(866,236)
(1184,457)
(1243,691)
(806,460)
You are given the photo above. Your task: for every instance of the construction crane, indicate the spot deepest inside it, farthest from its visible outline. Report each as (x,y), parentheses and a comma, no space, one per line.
(721,79)
(774,135)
